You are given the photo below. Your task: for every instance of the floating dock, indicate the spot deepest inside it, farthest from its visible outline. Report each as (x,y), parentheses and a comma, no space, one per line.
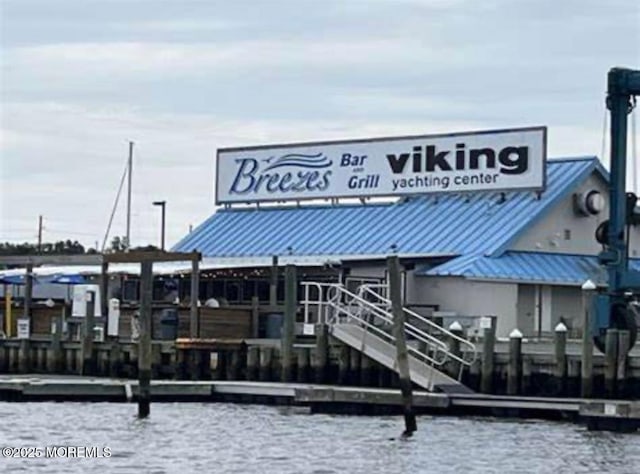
(315,398)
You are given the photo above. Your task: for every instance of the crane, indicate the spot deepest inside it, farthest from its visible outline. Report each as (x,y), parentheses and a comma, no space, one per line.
(613,308)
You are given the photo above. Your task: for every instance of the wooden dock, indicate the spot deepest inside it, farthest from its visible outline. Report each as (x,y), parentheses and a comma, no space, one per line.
(315,398)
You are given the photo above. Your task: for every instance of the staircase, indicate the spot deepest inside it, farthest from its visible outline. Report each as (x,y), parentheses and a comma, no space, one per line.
(363,321)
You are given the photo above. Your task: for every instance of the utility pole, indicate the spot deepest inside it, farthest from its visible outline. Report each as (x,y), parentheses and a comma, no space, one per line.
(129,173)
(40,234)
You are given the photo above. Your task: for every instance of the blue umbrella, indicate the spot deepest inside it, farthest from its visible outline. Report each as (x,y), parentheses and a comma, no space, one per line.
(68,279)
(12,279)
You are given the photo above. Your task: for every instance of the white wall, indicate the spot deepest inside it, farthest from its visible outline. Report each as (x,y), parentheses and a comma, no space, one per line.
(468,298)
(548,235)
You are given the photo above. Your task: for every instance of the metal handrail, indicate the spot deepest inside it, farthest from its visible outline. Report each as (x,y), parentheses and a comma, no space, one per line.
(471,348)
(360,310)
(438,349)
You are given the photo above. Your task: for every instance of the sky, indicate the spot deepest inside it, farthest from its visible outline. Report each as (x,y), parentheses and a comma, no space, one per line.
(81,78)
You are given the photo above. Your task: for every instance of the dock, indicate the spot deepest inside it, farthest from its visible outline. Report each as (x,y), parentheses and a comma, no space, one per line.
(316,398)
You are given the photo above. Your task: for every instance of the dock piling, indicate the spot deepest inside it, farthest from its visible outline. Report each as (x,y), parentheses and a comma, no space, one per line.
(560,349)
(321,353)
(488,345)
(611,359)
(621,372)
(288,323)
(144,341)
(515,362)
(89,363)
(402,355)
(586,370)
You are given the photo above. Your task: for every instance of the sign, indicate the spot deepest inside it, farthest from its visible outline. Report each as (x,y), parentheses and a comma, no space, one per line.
(79,302)
(24,328)
(113,317)
(500,160)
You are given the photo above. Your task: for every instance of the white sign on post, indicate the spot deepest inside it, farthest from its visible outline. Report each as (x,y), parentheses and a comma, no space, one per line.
(24,328)
(499,160)
(113,318)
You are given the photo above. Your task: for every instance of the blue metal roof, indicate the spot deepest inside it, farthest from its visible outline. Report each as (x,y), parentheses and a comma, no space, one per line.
(534,267)
(448,224)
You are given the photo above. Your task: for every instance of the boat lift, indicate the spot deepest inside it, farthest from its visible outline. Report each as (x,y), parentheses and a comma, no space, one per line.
(614,309)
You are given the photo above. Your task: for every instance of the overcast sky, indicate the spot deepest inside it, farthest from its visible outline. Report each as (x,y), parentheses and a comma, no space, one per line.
(80,78)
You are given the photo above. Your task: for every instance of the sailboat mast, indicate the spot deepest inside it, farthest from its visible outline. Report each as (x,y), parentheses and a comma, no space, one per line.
(130,170)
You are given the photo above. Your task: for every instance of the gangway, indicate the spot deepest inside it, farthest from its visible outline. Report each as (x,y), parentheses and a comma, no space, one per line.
(363,320)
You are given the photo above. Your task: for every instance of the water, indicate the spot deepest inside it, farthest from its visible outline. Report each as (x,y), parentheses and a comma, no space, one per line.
(224,438)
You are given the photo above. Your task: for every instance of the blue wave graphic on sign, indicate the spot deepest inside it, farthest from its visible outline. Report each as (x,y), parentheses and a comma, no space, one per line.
(296,159)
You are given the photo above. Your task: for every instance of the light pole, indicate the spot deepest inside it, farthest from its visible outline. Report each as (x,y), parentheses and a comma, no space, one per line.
(162,204)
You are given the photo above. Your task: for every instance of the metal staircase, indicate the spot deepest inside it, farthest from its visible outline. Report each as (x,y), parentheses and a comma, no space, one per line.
(363,320)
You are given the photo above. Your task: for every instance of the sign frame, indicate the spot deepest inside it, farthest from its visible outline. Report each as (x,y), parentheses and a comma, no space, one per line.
(539,128)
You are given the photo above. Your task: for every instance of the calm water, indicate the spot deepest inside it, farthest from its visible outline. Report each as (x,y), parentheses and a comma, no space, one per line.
(221,438)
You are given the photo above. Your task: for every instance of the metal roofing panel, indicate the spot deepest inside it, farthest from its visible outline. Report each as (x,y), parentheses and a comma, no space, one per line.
(532,267)
(447,224)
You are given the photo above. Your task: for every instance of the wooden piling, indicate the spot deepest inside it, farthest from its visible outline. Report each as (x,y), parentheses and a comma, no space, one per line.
(28,292)
(194,327)
(266,359)
(288,323)
(560,357)
(24,356)
(255,317)
(144,342)
(89,363)
(54,364)
(321,353)
(488,345)
(402,355)
(453,343)
(273,284)
(586,366)
(303,360)
(115,359)
(624,340)
(355,362)
(515,362)
(366,371)
(611,359)
(253,362)
(343,364)
(527,362)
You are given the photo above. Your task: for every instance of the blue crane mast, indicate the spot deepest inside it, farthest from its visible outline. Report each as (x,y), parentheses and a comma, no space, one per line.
(613,309)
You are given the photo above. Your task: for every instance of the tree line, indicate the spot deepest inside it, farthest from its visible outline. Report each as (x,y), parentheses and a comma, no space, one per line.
(64,247)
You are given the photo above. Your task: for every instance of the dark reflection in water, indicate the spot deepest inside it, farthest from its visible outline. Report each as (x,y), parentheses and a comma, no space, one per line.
(222,438)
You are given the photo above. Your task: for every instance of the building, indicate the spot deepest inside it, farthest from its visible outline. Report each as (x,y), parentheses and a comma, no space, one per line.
(521,256)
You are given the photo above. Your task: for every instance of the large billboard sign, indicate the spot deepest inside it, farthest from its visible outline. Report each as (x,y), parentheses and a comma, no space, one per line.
(497,160)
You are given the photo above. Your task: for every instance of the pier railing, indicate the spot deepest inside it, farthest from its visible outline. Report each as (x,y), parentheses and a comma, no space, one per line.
(333,303)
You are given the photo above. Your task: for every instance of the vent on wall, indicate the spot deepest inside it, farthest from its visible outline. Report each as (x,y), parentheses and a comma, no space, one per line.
(589,203)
